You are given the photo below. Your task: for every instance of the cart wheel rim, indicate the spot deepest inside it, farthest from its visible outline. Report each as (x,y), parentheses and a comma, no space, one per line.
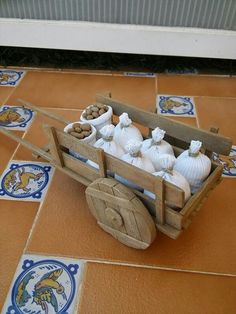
(120,213)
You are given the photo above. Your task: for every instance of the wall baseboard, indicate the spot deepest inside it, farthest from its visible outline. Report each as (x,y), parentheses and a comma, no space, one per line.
(138,39)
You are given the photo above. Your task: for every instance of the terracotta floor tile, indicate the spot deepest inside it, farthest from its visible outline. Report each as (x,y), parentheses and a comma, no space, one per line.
(16,219)
(190,121)
(194,85)
(117,289)
(207,245)
(70,90)
(5,92)
(219,112)
(7,148)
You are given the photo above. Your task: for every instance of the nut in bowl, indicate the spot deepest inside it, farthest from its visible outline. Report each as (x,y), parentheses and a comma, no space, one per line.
(84,132)
(97,115)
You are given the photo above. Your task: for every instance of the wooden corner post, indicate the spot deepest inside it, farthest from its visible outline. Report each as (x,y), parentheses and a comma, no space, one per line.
(214,130)
(101,163)
(159,188)
(54,145)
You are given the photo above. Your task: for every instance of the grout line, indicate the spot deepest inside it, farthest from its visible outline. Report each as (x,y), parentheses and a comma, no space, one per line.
(196,75)
(109,72)
(7,97)
(33,226)
(12,156)
(23,136)
(160,268)
(198,96)
(197,120)
(40,204)
(127,264)
(15,150)
(156,87)
(196,113)
(80,292)
(112,72)
(61,70)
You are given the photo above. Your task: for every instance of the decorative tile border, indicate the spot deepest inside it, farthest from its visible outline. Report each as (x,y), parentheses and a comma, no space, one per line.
(16,118)
(25,181)
(170,105)
(140,74)
(228,162)
(45,285)
(181,71)
(10,77)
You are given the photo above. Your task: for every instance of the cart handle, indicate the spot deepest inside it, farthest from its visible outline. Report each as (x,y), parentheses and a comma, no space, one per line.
(53,116)
(27,144)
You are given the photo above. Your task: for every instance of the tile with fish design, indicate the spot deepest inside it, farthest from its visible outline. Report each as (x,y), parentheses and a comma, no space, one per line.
(16,118)
(45,285)
(228,162)
(10,77)
(176,105)
(25,181)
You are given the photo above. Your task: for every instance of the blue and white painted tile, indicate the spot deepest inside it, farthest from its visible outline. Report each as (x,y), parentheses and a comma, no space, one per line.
(10,77)
(228,162)
(45,285)
(140,74)
(25,181)
(181,71)
(16,118)
(170,105)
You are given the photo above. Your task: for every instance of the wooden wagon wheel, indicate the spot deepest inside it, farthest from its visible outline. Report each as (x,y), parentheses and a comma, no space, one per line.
(121,213)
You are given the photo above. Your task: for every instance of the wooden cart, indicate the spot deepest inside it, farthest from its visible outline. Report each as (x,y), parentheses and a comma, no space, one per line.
(129,215)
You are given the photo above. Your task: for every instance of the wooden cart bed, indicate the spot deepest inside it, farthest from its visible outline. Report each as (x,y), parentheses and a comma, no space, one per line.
(168,220)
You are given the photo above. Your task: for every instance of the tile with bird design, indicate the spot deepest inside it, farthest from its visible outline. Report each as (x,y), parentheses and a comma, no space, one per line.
(25,180)
(228,162)
(175,106)
(16,117)
(45,285)
(10,77)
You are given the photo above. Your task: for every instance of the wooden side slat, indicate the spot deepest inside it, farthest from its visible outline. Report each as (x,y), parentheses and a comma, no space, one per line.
(73,175)
(178,130)
(74,144)
(172,217)
(45,148)
(80,167)
(208,185)
(173,194)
